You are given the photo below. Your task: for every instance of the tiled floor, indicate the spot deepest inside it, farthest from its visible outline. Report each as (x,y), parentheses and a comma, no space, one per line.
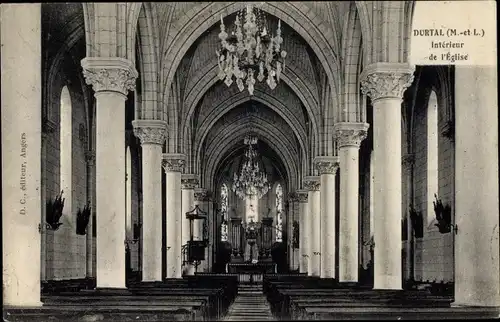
(249,305)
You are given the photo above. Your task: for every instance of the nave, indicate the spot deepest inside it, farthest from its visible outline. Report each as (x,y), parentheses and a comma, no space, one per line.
(153,178)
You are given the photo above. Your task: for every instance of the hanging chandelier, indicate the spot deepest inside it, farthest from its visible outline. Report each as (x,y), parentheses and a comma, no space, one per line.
(250,52)
(252,182)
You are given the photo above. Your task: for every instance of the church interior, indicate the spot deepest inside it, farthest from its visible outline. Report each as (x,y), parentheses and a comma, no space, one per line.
(242,161)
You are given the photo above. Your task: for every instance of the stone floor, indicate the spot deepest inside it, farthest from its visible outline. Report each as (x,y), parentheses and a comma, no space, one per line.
(249,305)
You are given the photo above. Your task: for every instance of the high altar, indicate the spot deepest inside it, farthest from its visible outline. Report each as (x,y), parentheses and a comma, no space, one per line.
(251,242)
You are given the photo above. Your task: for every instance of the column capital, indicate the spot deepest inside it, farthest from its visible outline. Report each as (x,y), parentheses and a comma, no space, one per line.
(48,126)
(173,162)
(200,194)
(326,164)
(311,183)
(386,80)
(189,181)
(292,196)
(408,160)
(302,195)
(150,131)
(350,134)
(109,74)
(90,157)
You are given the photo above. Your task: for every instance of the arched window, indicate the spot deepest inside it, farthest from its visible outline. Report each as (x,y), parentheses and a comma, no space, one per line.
(223,210)
(432,154)
(279,213)
(66,151)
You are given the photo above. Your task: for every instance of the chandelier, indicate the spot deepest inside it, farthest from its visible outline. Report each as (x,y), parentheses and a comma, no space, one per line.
(250,52)
(251,182)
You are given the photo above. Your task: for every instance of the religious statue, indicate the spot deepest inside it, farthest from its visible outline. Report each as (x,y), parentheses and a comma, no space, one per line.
(251,247)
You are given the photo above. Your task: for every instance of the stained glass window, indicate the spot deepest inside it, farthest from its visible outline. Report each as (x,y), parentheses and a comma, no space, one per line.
(223,210)
(279,213)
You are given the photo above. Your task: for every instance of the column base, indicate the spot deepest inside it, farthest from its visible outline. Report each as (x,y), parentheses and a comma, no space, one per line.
(349,284)
(26,305)
(348,280)
(387,283)
(327,276)
(329,279)
(112,291)
(466,305)
(148,280)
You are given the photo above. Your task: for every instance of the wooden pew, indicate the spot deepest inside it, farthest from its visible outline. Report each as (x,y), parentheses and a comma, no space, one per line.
(204,297)
(281,296)
(106,313)
(212,299)
(399,313)
(298,307)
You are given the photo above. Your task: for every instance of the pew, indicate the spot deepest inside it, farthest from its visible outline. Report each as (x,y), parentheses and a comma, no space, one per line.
(308,298)
(193,298)
(380,313)
(106,313)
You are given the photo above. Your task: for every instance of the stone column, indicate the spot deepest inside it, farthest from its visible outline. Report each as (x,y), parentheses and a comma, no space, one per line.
(173,164)
(111,78)
(476,186)
(408,162)
(349,137)
(188,183)
(312,184)
(48,127)
(152,134)
(200,196)
(327,167)
(385,84)
(90,158)
(21,146)
(304,231)
(212,226)
(290,218)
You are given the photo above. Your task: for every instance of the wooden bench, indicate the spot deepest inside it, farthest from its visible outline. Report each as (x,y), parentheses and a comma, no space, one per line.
(298,307)
(205,297)
(212,306)
(339,313)
(289,299)
(106,313)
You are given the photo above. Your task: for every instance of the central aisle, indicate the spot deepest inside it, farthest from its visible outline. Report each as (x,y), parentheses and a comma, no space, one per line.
(249,305)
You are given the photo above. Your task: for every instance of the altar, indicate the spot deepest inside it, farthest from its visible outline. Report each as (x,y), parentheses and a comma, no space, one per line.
(251,272)
(251,243)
